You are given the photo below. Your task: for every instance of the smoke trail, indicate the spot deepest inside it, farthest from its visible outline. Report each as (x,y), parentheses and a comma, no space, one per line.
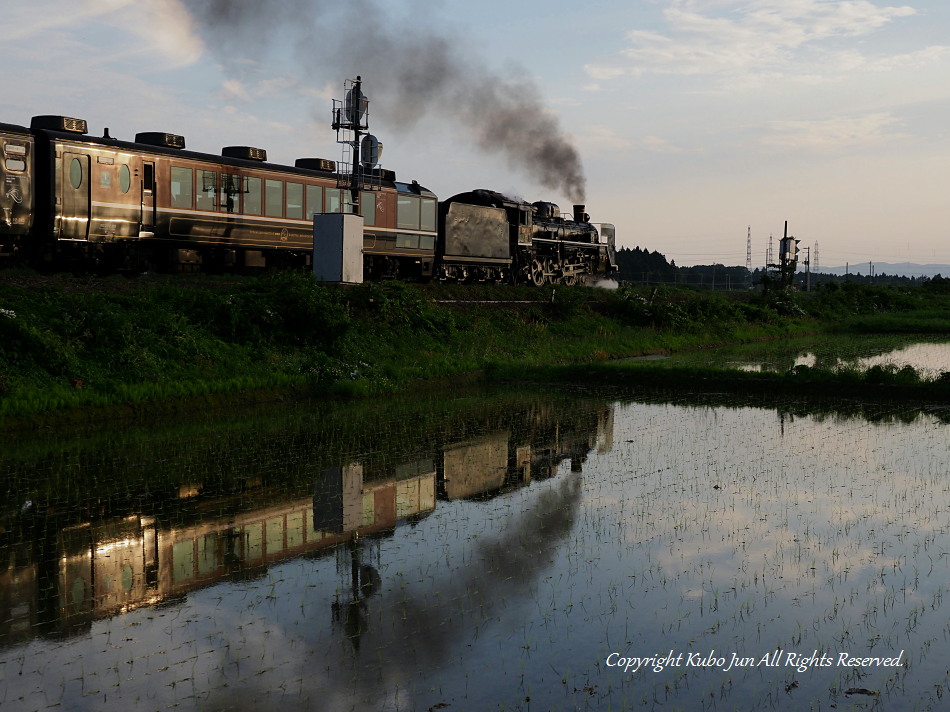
(413,71)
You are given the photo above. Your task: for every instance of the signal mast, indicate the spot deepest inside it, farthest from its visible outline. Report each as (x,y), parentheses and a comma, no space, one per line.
(788,259)
(361,150)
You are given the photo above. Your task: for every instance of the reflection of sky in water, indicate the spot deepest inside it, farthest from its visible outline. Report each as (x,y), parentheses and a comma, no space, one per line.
(929,358)
(734,529)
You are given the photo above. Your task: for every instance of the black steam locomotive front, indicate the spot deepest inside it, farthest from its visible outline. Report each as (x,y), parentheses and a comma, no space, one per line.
(487,236)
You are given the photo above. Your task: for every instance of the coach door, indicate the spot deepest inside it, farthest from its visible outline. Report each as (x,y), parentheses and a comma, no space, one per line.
(74,215)
(148,198)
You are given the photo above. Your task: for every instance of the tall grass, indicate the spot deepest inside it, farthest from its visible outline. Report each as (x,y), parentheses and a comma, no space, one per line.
(76,342)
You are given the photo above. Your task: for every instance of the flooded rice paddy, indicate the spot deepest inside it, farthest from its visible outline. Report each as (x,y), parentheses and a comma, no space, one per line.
(928,355)
(507,550)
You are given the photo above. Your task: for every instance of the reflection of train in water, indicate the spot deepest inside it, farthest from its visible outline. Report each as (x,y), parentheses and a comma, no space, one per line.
(69,199)
(60,578)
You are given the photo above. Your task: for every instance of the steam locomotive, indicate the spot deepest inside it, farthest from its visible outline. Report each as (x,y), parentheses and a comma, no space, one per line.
(68,199)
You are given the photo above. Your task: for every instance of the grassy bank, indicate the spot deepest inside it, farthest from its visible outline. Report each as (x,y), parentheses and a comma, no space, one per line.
(70,343)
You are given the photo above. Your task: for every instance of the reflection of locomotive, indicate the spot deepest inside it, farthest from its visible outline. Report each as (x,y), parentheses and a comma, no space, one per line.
(70,198)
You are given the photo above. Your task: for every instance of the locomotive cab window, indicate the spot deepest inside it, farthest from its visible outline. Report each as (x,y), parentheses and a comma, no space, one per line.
(181,187)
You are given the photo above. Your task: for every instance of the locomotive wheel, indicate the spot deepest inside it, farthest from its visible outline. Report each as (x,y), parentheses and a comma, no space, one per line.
(570,280)
(537,273)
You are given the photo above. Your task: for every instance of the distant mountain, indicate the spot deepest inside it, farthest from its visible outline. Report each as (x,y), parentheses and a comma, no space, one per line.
(901,269)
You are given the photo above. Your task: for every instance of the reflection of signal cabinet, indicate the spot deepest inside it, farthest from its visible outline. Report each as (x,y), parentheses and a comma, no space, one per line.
(344,502)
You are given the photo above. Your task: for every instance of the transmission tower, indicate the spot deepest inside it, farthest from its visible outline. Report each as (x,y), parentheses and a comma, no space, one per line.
(816,255)
(748,257)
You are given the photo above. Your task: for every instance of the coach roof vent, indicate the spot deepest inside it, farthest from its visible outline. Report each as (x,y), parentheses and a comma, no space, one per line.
(160,138)
(316,164)
(248,153)
(59,123)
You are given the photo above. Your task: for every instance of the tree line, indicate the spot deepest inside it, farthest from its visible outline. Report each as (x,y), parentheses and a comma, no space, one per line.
(639,266)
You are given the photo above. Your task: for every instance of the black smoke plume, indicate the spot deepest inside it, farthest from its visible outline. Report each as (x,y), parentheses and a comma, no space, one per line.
(414,71)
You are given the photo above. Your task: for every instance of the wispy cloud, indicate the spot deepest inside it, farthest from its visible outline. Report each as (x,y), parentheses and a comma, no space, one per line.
(740,41)
(656,144)
(835,134)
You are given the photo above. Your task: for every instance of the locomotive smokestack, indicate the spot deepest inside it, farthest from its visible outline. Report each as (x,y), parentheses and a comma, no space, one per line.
(580,215)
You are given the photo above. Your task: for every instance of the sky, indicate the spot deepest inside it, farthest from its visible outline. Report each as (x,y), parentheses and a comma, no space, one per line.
(689,124)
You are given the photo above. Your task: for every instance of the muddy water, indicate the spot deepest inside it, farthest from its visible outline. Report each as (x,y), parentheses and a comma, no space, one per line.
(493,550)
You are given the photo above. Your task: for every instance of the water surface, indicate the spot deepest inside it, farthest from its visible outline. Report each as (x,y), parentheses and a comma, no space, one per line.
(929,355)
(497,550)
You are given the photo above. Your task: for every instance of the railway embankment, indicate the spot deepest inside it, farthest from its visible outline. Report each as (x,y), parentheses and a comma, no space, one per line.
(75,348)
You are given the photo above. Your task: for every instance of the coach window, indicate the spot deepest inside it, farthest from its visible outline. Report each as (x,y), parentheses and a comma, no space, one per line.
(314,201)
(368,201)
(181,187)
(205,189)
(407,212)
(333,200)
(252,196)
(295,201)
(230,198)
(15,164)
(428,215)
(426,242)
(125,178)
(408,241)
(274,198)
(75,173)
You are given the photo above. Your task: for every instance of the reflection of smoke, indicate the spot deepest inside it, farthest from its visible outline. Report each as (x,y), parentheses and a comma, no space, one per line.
(419,632)
(414,72)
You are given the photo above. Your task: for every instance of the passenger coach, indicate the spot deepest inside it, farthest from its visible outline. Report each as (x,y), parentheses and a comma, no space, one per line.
(151,202)
(16,186)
